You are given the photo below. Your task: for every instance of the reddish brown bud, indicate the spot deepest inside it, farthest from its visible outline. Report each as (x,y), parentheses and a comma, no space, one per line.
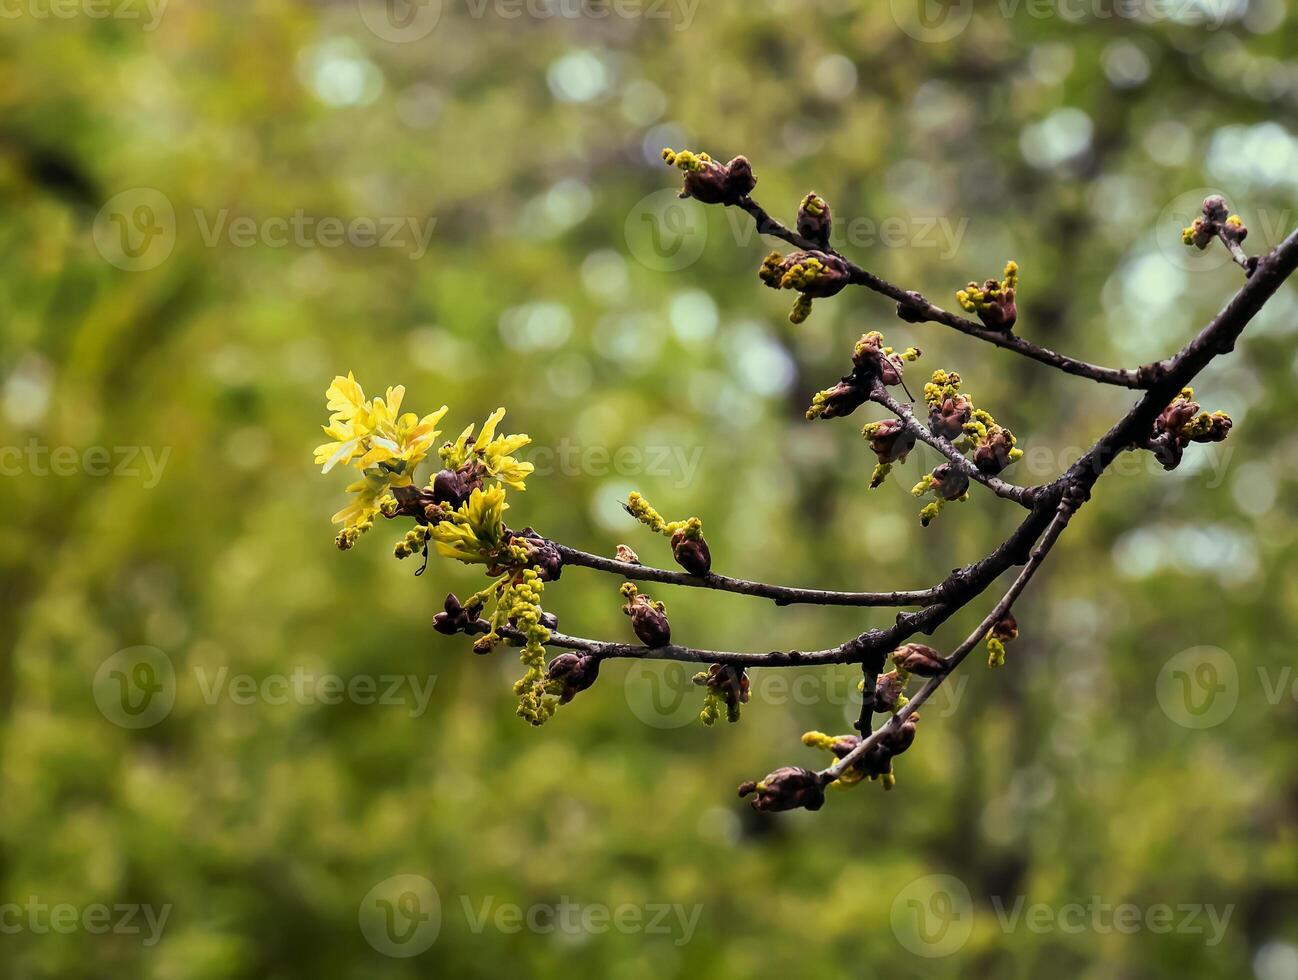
(947,418)
(812,273)
(542,553)
(887,691)
(1006,629)
(890,440)
(1221,425)
(455,618)
(899,740)
(786,789)
(720,183)
(649,620)
(730,682)
(453,487)
(1214,208)
(815,220)
(1003,312)
(839,401)
(917,658)
(872,361)
(992,454)
(691,553)
(575,671)
(949,482)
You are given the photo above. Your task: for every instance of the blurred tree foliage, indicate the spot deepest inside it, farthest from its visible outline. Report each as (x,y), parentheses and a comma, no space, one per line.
(1075,141)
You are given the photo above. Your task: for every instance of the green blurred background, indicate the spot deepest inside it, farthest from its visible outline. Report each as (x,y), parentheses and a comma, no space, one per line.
(163,369)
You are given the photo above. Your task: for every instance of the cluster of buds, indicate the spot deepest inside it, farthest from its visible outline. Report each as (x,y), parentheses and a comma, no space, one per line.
(1216,222)
(689,547)
(814,274)
(1005,631)
(1182,423)
(952,416)
(993,301)
(786,789)
(648,618)
(727,687)
(815,220)
(538,552)
(711,182)
(890,441)
(876,763)
(872,363)
(876,362)
(457,618)
(573,673)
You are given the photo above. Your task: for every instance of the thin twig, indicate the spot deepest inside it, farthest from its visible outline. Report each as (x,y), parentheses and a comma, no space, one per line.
(1009,491)
(1236,252)
(922,310)
(780,594)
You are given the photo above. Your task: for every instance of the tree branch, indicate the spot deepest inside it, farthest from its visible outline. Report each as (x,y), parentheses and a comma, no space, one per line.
(1009,491)
(1048,539)
(921,310)
(781,595)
